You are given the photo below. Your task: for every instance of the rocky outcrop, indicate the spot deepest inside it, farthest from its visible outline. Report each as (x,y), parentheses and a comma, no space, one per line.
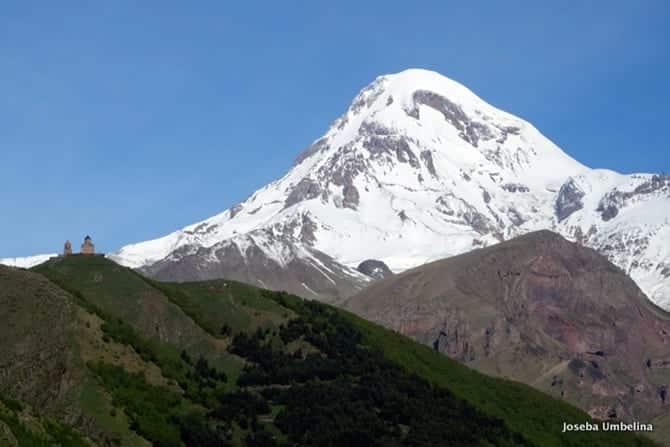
(391,145)
(515,187)
(306,189)
(319,145)
(462,212)
(374,268)
(614,200)
(469,130)
(541,310)
(427,158)
(569,200)
(609,205)
(456,172)
(299,269)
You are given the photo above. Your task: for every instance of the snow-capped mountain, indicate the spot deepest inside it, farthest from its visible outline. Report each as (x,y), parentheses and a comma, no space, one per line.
(26,262)
(418,168)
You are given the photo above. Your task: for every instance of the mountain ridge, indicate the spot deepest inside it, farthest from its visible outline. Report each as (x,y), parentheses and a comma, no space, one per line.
(418,168)
(538,309)
(172,375)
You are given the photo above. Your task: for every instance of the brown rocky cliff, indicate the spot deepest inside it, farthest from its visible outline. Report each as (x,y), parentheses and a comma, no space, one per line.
(541,310)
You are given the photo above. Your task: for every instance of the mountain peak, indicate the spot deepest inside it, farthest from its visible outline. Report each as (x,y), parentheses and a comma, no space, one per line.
(417,168)
(410,80)
(407,88)
(416,114)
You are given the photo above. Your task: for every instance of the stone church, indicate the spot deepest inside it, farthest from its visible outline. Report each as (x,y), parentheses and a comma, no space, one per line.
(87,248)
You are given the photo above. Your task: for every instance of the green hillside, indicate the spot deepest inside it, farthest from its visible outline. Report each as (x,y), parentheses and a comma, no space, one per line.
(20,426)
(523,408)
(221,363)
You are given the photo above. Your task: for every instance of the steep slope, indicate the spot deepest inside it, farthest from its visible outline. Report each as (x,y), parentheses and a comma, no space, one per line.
(125,327)
(46,339)
(296,267)
(418,168)
(542,310)
(324,377)
(134,361)
(29,305)
(119,293)
(20,426)
(626,218)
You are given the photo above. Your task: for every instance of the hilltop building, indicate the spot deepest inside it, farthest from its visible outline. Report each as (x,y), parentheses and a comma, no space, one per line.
(87,248)
(67,250)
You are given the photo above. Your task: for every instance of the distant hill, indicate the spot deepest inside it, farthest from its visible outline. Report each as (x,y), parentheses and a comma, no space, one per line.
(127,361)
(541,310)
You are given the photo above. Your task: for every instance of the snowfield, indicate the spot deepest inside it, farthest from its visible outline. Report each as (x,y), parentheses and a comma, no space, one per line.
(26,262)
(420,168)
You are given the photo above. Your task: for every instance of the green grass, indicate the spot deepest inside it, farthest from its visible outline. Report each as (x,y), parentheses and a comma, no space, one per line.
(213,304)
(109,286)
(120,295)
(138,313)
(164,355)
(49,434)
(98,405)
(87,279)
(151,409)
(525,410)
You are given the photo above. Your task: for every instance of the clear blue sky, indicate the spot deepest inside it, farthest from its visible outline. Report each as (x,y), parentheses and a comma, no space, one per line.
(128,122)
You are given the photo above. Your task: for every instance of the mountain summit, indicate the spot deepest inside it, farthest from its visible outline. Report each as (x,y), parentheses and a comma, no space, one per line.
(418,168)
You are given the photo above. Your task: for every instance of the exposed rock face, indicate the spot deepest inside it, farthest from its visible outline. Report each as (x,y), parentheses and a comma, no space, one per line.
(515,187)
(655,183)
(299,269)
(541,310)
(569,200)
(462,212)
(391,145)
(420,168)
(374,268)
(427,158)
(318,146)
(608,207)
(350,197)
(471,131)
(306,189)
(616,199)
(234,211)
